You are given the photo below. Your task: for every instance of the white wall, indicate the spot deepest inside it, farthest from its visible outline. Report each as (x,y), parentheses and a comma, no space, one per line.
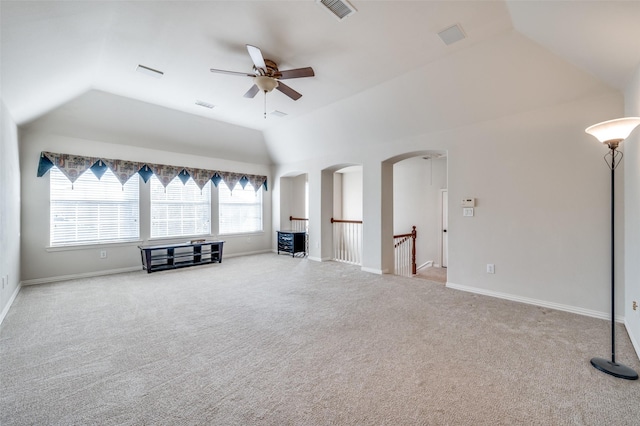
(632,213)
(41,263)
(9,210)
(292,200)
(417,191)
(350,195)
(542,202)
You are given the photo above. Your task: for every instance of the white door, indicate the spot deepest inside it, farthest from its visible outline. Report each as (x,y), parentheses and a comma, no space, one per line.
(445,224)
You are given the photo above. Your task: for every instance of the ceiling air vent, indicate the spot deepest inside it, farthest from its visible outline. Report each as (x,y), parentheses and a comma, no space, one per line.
(452,34)
(341,9)
(277,113)
(205,104)
(149,71)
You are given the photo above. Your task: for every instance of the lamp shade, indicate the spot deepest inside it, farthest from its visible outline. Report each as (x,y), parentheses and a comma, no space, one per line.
(613,130)
(265,83)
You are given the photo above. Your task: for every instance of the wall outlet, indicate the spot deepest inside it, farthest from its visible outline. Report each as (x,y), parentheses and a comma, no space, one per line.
(491,268)
(103,254)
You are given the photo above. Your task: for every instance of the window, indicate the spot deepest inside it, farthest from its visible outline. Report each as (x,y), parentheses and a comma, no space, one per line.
(92,210)
(240,211)
(180,210)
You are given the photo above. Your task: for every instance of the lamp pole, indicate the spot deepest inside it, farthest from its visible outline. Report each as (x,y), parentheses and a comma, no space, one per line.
(612,133)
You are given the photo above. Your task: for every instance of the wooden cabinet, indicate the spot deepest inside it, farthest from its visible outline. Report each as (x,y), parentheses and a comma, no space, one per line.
(171,256)
(292,242)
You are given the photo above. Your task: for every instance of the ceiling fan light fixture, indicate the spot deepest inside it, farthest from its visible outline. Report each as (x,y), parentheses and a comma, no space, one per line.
(265,83)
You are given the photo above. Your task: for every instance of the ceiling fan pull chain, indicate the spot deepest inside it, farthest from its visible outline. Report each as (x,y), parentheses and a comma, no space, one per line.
(265,104)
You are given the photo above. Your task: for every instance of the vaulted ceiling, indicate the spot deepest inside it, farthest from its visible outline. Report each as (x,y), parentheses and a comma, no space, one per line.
(78,60)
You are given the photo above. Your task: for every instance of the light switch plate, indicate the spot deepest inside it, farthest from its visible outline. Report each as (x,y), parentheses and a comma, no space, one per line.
(467,212)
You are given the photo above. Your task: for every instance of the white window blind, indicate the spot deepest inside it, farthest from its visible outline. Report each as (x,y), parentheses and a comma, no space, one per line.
(240,211)
(92,210)
(180,210)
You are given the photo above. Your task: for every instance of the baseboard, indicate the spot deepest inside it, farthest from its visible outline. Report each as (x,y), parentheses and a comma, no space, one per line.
(536,302)
(5,311)
(319,259)
(634,342)
(83,275)
(374,271)
(427,264)
(116,271)
(247,253)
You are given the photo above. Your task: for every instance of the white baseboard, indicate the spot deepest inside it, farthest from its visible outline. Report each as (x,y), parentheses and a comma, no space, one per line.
(83,275)
(536,302)
(247,253)
(374,271)
(427,264)
(59,278)
(634,342)
(319,259)
(10,302)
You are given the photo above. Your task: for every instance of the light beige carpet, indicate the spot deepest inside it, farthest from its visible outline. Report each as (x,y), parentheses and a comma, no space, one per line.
(275,340)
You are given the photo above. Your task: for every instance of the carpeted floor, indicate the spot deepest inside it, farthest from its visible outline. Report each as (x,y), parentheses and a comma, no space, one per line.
(275,340)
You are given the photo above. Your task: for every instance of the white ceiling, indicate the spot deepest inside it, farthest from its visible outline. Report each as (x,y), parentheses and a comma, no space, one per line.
(55,51)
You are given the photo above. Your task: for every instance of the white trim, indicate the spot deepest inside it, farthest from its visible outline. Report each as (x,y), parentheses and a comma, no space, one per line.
(248,253)
(319,259)
(70,247)
(374,271)
(5,311)
(46,280)
(427,264)
(634,342)
(536,302)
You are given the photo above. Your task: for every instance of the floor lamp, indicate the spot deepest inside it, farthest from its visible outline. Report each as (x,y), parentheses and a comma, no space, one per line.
(612,133)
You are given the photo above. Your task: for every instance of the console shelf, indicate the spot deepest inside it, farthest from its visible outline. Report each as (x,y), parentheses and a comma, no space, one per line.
(180,255)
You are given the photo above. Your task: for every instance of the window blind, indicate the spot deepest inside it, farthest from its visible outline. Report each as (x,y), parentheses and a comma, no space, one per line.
(180,209)
(240,211)
(92,210)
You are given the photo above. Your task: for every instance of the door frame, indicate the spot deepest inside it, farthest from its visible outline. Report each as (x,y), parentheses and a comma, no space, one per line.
(444,224)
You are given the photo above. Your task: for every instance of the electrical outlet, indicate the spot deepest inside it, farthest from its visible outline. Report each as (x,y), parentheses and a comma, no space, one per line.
(491,268)
(103,254)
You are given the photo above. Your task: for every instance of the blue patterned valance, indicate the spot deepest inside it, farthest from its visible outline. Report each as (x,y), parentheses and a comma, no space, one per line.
(72,166)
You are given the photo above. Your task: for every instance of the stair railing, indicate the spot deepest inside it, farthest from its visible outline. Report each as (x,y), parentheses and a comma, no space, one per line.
(404,250)
(347,241)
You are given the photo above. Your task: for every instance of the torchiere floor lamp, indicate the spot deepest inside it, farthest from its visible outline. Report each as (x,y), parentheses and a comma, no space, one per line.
(612,133)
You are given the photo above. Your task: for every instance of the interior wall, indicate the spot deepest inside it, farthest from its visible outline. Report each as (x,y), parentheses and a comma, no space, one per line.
(632,211)
(9,210)
(351,195)
(542,199)
(57,263)
(292,195)
(417,185)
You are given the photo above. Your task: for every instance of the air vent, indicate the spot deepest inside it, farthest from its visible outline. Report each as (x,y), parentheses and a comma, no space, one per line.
(341,9)
(452,34)
(205,104)
(278,113)
(149,71)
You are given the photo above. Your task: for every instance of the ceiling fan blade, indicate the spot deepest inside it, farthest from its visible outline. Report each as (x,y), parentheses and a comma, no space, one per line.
(251,93)
(297,73)
(232,72)
(256,57)
(288,91)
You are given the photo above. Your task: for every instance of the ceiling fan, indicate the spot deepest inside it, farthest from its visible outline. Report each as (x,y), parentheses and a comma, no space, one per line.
(266,75)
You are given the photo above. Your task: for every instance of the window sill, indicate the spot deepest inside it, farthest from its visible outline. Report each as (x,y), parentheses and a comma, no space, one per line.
(92,246)
(242,234)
